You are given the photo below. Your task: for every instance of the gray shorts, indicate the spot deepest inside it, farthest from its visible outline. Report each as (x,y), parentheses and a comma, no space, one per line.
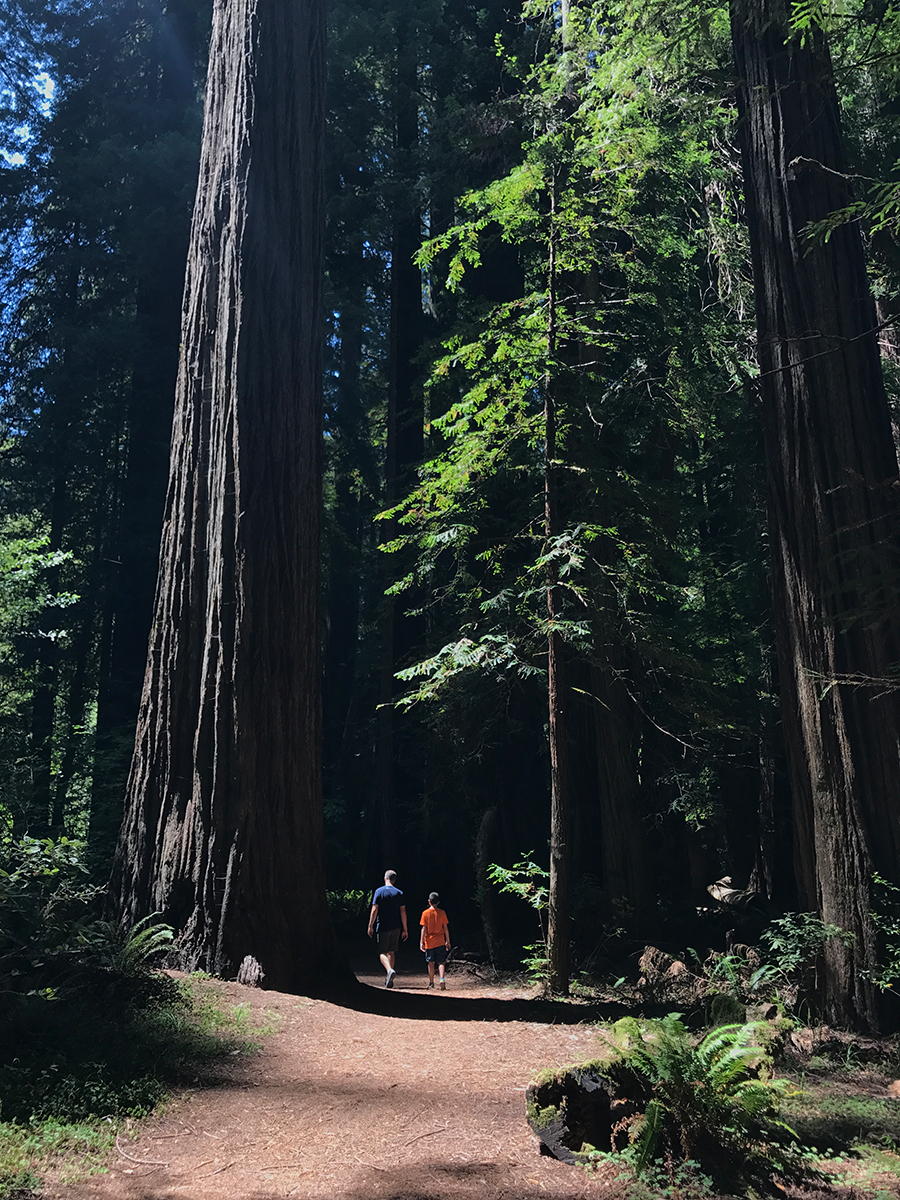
(388,941)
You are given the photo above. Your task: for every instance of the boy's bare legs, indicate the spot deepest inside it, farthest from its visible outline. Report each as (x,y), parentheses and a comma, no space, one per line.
(431,974)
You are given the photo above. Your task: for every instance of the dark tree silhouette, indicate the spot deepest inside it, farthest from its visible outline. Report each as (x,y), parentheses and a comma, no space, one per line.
(222,832)
(832,475)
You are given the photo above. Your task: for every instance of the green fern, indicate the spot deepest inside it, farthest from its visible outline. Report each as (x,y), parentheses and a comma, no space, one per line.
(130,953)
(713,1101)
(648,1134)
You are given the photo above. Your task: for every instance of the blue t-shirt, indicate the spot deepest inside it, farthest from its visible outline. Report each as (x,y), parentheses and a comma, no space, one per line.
(389,899)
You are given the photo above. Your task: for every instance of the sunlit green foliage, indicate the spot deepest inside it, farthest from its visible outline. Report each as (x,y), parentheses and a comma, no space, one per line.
(711,1101)
(627,182)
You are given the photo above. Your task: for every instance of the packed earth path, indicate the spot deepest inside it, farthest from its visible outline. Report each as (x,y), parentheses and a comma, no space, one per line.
(389,1095)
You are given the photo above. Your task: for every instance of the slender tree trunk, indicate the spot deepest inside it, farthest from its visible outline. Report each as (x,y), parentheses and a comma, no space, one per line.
(831,464)
(560,810)
(223,828)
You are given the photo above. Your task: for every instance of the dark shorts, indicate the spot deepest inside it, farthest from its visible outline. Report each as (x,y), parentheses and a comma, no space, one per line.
(388,941)
(437,954)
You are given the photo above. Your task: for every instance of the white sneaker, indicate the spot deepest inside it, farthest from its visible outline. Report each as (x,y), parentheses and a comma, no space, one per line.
(389,982)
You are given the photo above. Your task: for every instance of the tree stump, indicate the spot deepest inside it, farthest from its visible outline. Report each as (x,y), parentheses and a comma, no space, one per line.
(250,973)
(568,1110)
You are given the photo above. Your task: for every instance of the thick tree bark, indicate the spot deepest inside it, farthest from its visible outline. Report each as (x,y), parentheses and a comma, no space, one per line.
(831,463)
(223,828)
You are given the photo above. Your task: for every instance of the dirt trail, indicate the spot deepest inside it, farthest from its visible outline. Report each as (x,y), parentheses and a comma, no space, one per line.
(364,1105)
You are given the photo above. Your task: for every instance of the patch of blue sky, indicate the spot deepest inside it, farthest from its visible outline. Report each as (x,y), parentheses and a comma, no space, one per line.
(12,155)
(45,86)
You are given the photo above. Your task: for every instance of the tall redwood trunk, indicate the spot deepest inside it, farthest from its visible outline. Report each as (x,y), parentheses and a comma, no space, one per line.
(832,508)
(223,828)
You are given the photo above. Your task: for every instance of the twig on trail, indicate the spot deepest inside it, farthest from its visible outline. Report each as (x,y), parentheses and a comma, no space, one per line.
(158,1137)
(212,1135)
(371,1166)
(217,1171)
(430,1133)
(283,1167)
(141,1162)
(206,1162)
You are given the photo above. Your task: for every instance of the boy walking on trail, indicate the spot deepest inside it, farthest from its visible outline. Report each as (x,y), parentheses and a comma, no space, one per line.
(388,920)
(435,938)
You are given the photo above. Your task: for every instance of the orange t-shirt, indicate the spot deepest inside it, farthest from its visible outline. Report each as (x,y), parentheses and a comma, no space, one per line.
(435,922)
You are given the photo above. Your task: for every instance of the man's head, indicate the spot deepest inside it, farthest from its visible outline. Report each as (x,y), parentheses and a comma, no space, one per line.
(434,899)
(390,878)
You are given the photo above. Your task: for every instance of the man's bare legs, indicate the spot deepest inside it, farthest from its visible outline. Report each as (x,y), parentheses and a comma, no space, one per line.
(387,961)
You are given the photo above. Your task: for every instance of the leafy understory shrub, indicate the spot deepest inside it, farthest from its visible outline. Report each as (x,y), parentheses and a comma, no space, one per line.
(711,1102)
(531,883)
(885,916)
(794,942)
(780,969)
(52,939)
(669,1180)
(348,904)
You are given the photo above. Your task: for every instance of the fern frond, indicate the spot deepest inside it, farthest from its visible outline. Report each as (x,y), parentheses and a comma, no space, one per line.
(721,1039)
(146,938)
(649,1135)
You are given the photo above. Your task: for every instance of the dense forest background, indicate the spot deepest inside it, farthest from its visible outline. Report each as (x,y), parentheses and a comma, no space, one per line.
(546,460)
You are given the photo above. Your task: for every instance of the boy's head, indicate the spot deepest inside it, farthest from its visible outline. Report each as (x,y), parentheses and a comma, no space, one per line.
(434,899)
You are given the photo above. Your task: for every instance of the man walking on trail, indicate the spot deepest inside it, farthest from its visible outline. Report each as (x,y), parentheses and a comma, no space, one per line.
(388,920)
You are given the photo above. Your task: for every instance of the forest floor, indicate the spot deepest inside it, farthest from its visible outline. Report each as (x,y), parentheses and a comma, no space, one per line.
(393,1095)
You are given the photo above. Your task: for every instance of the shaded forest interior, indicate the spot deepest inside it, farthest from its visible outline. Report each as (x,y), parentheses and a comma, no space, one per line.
(610,478)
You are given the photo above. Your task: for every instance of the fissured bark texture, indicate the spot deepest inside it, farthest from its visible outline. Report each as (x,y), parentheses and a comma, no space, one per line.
(223,827)
(832,490)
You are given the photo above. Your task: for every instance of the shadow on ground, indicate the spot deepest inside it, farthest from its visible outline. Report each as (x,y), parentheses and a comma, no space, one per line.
(422,1006)
(448,1180)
